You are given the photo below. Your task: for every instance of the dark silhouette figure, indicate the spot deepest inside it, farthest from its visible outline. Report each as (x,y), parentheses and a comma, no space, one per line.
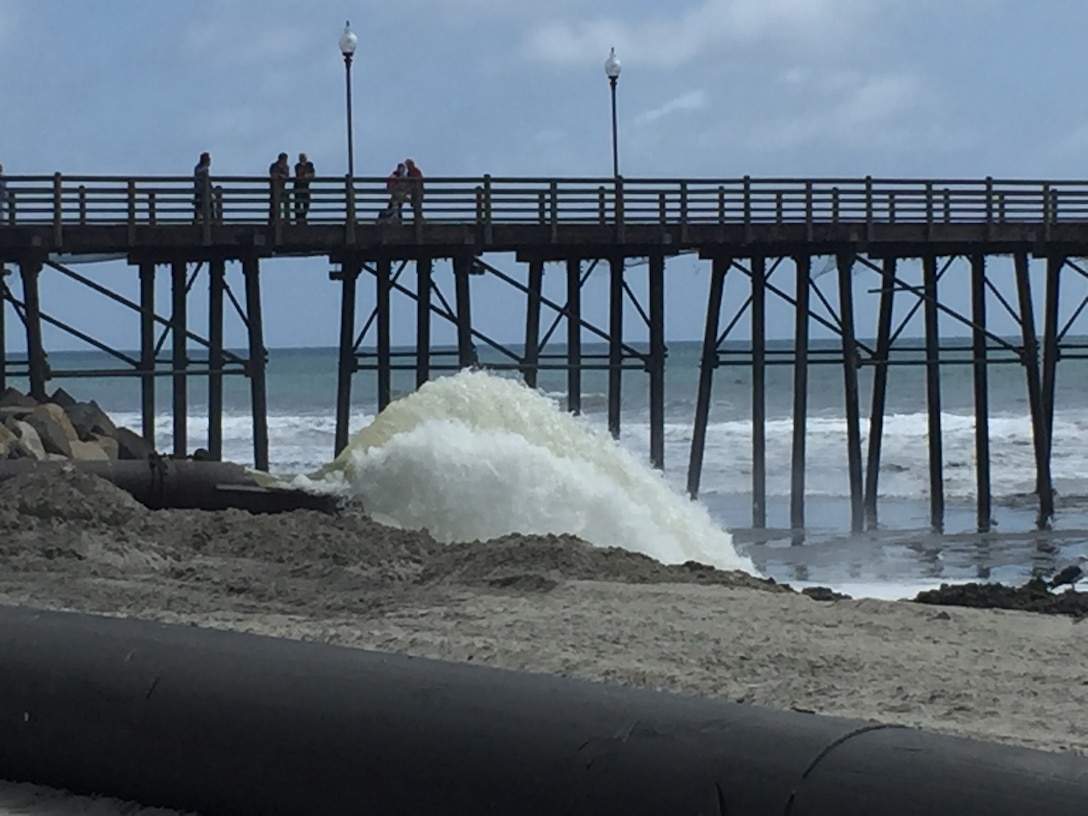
(304,172)
(278,172)
(202,188)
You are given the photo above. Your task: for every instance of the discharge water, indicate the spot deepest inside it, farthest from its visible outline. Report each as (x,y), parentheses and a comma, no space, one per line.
(477,456)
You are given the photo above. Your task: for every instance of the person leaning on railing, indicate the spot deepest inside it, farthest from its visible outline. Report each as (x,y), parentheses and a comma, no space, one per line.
(304,172)
(415,189)
(202,185)
(279,171)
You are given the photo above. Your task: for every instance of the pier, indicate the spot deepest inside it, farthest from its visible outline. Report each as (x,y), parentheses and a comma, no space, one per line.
(765,233)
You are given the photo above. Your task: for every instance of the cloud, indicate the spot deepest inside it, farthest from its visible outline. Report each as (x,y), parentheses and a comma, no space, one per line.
(668,42)
(684,103)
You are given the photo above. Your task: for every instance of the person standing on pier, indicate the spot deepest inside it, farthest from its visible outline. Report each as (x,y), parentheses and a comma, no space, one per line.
(304,172)
(415,189)
(278,172)
(397,187)
(202,184)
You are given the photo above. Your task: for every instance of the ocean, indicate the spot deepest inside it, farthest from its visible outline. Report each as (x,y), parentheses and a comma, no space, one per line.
(898,559)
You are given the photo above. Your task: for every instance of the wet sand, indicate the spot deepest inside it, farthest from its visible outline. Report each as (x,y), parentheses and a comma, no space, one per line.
(546,604)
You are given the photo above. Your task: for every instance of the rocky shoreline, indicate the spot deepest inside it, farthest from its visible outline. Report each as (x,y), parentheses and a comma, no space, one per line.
(63,428)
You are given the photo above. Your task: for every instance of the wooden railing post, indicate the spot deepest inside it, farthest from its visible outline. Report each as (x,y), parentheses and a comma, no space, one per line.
(721,203)
(747,209)
(58,210)
(989,207)
(947,206)
(601,210)
(217,215)
(868,208)
(130,199)
(808,210)
(151,214)
(1047,215)
(82,204)
(929,209)
(779,206)
(662,208)
(349,205)
(618,209)
(891,207)
(683,211)
(554,191)
(488,235)
(835,205)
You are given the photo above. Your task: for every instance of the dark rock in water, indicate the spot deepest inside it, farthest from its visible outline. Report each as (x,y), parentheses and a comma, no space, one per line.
(821,593)
(130,445)
(89,420)
(13,398)
(63,399)
(1034,596)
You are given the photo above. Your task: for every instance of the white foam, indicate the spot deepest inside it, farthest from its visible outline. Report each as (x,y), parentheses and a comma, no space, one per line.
(476,456)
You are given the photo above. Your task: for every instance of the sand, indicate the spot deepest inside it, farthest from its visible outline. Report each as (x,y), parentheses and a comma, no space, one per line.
(546,604)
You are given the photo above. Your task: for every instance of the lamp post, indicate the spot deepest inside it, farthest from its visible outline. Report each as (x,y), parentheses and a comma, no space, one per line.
(612,71)
(347,48)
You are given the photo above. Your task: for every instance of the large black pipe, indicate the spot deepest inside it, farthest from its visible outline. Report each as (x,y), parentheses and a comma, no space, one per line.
(161,483)
(227,723)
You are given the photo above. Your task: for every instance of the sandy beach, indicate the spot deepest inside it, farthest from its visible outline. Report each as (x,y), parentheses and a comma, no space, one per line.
(546,604)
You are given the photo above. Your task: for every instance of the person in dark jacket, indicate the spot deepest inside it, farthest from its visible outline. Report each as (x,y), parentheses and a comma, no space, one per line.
(202,185)
(304,172)
(278,172)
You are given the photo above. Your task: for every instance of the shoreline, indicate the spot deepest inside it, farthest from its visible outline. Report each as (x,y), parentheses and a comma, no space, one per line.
(546,604)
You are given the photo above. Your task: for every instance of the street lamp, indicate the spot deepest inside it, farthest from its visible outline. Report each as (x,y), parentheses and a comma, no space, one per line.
(347,48)
(612,71)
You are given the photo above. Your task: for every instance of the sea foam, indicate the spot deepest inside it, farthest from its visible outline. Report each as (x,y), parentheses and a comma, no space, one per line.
(475,456)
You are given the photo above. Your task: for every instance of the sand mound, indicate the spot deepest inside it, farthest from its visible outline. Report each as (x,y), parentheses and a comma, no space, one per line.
(69,496)
(540,562)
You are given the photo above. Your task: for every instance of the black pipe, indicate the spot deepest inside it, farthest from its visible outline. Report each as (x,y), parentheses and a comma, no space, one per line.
(228,723)
(981,390)
(933,394)
(615,343)
(383,284)
(31,271)
(347,364)
(258,362)
(182,483)
(217,280)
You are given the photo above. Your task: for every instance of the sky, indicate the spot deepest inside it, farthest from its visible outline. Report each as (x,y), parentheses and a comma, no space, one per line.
(710,88)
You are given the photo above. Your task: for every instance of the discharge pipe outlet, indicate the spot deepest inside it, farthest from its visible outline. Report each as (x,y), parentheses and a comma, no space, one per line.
(234,724)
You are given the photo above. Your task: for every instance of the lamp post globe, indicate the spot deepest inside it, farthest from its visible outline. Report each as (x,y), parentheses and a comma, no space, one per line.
(612,68)
(348,41)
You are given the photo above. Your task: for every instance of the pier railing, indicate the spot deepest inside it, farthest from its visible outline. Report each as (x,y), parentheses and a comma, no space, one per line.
(151,200)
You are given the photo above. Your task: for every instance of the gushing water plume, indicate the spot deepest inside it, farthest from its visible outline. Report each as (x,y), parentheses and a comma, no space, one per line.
(476,456)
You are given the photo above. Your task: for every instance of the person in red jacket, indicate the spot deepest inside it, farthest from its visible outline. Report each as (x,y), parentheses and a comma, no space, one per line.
(415,188)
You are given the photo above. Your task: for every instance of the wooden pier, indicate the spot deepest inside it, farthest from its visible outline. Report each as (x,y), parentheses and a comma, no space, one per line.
(742,228)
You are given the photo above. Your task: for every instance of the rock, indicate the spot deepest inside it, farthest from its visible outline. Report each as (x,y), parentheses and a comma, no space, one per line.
(108,444)
(54,429)
(12,398)
(132,446)
(88,452)
(89,420)
(57,457)
(824,594)
(9,442)
(63,399)
(30,444)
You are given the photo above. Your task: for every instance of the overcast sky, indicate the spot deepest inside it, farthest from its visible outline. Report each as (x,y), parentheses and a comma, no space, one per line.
(720,88)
